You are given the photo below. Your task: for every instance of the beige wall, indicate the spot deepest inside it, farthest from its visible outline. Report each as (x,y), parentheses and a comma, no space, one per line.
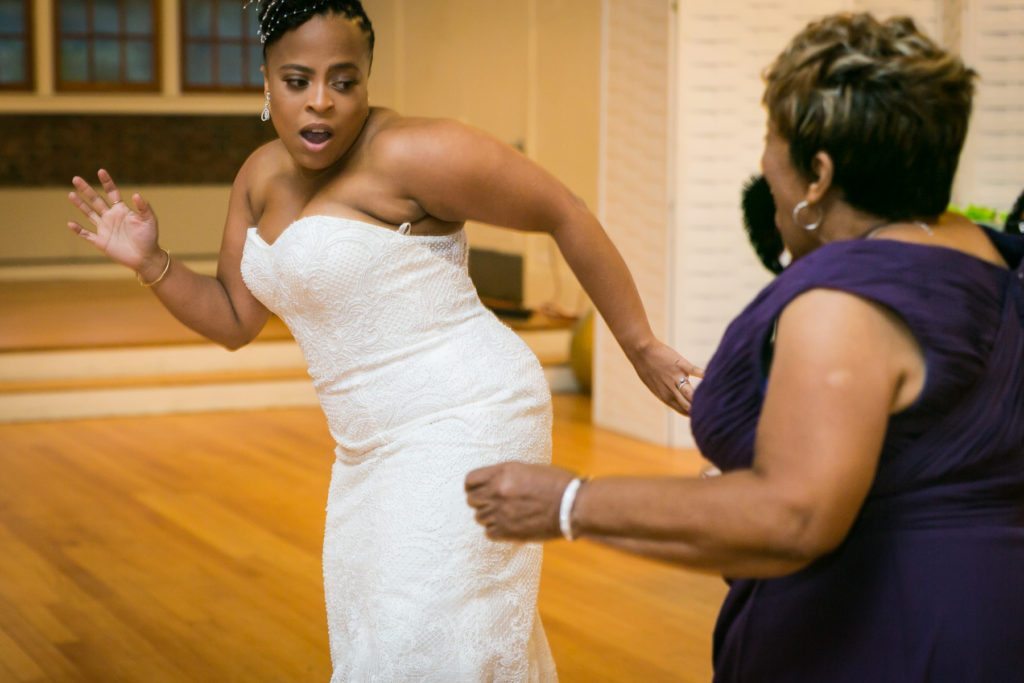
(526,71)
(564,126)
(33,223)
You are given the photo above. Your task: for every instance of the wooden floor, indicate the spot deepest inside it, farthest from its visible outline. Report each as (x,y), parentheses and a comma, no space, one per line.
(187,548)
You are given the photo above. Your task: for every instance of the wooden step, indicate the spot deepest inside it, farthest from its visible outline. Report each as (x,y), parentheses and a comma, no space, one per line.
(97,348)
(183,378)
(146,380)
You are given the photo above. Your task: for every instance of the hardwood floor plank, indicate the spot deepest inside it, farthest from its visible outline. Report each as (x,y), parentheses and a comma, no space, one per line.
(16,662)
(187,548)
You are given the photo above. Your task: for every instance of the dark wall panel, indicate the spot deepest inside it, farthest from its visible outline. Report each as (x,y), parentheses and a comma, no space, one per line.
(47,149)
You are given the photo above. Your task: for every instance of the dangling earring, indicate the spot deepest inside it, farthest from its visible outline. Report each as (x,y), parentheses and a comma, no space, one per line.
(265,116)
(809,227)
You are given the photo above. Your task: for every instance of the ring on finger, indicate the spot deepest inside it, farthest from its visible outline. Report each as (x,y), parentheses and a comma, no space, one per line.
(682,383)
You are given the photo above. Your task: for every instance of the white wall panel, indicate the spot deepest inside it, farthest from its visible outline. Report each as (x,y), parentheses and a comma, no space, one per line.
(633,188)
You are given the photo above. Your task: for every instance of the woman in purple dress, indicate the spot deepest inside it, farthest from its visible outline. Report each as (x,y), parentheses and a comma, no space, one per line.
(867,408)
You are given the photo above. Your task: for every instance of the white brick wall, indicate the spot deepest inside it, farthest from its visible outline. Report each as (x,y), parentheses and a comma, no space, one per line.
(992,169)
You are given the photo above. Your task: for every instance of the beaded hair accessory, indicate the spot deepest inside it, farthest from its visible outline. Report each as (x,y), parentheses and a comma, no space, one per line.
(273,14)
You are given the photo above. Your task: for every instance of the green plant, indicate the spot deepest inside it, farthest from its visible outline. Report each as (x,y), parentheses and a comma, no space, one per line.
(981,214)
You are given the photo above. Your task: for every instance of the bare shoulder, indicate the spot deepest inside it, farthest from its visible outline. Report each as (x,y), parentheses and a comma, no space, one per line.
(830,315)
(456,173)
(401,141)
(264,163)
(826,329)
(255,178)
(828,325)
(959,232)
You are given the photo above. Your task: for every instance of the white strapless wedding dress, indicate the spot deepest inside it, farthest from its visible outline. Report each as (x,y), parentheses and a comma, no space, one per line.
(420,384)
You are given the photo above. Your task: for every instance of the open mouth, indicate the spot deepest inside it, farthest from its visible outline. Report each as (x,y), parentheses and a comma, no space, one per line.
(316,134)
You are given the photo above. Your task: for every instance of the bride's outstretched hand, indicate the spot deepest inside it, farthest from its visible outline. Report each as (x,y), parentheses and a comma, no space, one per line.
(668,375)
(126,234)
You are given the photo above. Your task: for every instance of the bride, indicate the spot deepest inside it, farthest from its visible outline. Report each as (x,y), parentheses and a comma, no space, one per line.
(349,226)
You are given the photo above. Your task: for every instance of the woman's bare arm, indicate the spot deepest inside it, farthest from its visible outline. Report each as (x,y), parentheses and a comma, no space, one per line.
(220,308)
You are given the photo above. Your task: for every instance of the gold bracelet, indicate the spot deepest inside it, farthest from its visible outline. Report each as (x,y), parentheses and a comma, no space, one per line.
(167,267)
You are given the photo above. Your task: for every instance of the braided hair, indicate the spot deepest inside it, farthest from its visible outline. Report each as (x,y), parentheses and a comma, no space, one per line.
(277,17)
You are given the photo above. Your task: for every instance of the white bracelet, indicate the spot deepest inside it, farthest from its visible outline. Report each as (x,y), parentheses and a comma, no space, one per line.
(565,509)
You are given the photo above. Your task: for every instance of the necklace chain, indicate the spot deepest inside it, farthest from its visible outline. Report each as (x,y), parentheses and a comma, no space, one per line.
(875,229)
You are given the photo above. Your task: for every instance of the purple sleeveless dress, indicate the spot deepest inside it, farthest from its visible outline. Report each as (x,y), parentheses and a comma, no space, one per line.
(929,583)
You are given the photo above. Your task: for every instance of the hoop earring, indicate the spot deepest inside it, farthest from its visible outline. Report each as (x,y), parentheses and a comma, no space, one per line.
(265,116)
(809,227)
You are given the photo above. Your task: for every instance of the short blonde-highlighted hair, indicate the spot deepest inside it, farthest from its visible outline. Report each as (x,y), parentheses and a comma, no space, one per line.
(887,104)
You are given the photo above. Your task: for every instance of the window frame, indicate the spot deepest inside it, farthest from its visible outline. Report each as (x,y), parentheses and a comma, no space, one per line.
(29,84)
(62,86)
(214,40)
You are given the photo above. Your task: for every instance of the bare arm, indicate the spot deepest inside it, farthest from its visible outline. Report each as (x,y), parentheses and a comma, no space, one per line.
(456,174)
(220,308)
(841,367)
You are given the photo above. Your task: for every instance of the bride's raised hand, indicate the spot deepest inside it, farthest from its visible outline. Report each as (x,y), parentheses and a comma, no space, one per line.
(127,235)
